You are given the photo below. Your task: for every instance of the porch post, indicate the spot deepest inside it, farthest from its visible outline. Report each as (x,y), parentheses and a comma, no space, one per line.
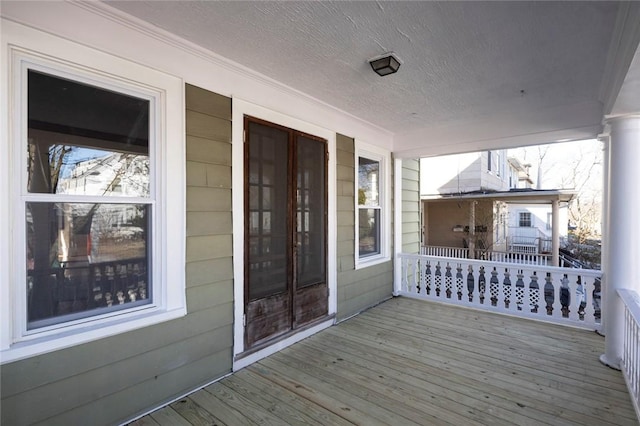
(622,269)
(472,229)
(397,225)
(604,253)
(555,232)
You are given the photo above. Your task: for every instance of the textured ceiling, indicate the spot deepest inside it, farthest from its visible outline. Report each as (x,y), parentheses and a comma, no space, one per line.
(462,61)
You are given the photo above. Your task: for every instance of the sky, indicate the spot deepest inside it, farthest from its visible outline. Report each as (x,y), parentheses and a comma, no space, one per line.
(569,165)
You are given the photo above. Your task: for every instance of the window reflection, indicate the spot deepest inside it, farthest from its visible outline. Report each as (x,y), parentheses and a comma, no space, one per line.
(83,171)
(368,185)
(369,225)
(83,258)
(86,140)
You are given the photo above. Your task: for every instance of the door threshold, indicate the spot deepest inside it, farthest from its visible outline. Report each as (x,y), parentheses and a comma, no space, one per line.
(276,344)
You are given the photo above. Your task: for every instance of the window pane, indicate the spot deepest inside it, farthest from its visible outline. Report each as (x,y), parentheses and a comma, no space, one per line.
(311,208)
(85,259)
(368,182)
(86,140)
(268,191)
(524,220)
(369,232)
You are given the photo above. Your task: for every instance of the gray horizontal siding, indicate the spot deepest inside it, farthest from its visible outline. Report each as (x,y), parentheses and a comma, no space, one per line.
(365,287)
(411,206)
(113,379)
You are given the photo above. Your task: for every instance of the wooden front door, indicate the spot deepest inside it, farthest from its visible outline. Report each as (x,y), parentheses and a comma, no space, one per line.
(286,230)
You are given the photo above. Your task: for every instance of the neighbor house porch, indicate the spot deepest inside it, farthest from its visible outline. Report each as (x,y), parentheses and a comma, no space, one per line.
(409,361)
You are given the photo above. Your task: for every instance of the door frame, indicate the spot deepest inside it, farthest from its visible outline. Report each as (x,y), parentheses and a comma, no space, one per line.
(241,108)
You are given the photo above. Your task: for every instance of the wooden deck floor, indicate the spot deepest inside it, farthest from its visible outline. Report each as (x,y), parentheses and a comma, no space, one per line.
(413,362)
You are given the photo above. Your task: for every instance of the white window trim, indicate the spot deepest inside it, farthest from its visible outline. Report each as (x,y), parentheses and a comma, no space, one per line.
(363,149)
(169,227)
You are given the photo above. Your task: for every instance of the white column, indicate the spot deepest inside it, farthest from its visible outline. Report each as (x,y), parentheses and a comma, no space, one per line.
(472,229)
(397,225)
(604,254)
(622,268)
(555,232)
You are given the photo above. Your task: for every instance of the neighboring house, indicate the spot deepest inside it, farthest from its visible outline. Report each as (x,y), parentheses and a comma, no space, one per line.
(283,174)
(532,224)
(463,173)
(519,174)
(495,194)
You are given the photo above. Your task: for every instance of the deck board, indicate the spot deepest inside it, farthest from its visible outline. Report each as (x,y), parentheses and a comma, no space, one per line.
(414,362)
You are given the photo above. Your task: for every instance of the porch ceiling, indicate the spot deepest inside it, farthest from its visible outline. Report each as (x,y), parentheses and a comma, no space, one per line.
(476,75)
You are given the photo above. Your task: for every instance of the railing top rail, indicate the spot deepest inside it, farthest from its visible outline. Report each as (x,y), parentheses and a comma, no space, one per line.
(444,247)
(631,299)
(556,269)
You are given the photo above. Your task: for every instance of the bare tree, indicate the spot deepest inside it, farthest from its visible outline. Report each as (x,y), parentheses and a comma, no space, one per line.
(542,152)
(585,209)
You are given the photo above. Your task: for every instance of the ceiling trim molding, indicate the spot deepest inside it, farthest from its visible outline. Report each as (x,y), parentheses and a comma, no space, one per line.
(121,18)
(564,123)
(624,44)
(461,147)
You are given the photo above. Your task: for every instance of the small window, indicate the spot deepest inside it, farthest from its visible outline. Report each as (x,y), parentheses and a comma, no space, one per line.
(372,225)
(489,155)
(368,207)
(549,221)
(524,220)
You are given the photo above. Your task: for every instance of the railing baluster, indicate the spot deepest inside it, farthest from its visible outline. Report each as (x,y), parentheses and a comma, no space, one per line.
(471,282)
(589,289)
(630,362)
(428,285)
(509,291)
(422,290)
(500,303)
(480,285)
(575,297)
(459,281)
(437,280)
(559,292)
(448,281)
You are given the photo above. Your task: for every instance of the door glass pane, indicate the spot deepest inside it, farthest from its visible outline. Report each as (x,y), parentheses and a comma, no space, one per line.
(85,140)
(310,215)
(83,259)
(267,227)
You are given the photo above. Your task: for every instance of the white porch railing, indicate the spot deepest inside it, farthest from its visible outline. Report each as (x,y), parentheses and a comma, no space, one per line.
(494,256)
(457,252)
(522,258)
(552,294)
(631,348)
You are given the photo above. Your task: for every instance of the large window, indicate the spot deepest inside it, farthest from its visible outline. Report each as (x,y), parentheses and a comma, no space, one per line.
(371,215)
(88,205)
(90,216)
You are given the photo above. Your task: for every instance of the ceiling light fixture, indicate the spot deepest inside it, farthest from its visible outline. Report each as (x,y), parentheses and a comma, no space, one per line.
(385,64)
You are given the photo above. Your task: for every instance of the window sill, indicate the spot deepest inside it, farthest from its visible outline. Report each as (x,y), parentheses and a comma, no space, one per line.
(65,339)
(371,261)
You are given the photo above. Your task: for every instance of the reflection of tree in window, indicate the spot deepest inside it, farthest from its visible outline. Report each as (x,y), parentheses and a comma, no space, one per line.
(85,254)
